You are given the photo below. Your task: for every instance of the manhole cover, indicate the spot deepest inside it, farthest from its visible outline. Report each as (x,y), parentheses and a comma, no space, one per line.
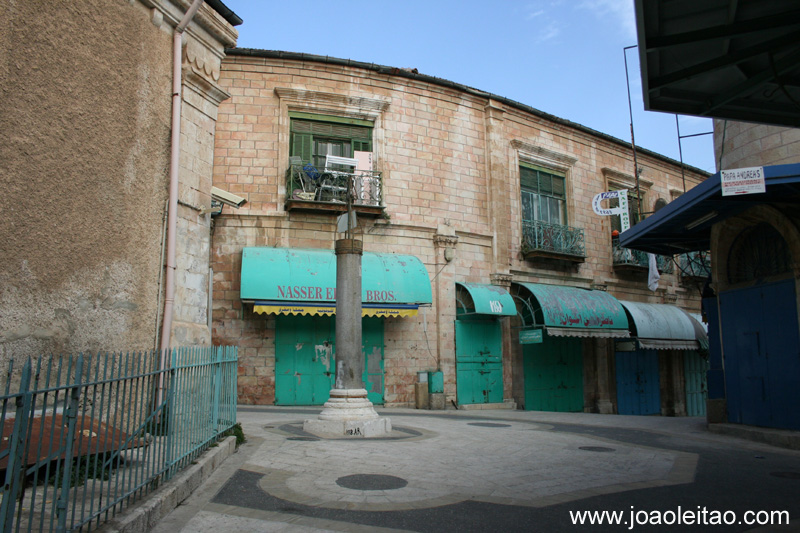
(371,482)
(489,424)
(787,475)
(302,438)
(596,449)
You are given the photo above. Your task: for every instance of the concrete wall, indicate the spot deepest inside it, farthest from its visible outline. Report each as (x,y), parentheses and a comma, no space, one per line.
(450,161)
(86,114)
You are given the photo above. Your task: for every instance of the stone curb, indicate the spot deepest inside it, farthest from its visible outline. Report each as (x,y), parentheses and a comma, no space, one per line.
(776,437)
(144,516)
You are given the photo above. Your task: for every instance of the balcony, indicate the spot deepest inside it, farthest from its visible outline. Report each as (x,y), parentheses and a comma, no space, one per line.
(309,189)
(695,265)
(542,239)
(627,259)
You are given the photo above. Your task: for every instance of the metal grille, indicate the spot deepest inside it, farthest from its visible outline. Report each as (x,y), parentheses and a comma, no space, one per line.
(85,435)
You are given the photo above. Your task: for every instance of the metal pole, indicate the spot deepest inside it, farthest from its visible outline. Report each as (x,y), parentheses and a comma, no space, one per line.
(680,151)
(633,140)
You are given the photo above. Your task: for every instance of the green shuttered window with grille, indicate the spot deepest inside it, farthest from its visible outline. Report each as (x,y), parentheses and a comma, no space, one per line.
(315,136)
(543,195)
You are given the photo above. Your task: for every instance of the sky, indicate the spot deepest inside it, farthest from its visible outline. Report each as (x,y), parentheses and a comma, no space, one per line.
(563,57)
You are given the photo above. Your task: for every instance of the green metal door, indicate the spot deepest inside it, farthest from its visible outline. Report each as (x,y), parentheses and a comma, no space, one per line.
(553,373)
(305,359)
(372,346)
(695,370)
(479,361)
(305,366)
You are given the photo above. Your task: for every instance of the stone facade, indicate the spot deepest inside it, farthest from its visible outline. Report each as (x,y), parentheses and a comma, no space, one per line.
(450,162)
(744,144)
(87,104)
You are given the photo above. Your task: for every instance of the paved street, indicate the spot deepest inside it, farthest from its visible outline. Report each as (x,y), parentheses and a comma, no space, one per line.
(498,470)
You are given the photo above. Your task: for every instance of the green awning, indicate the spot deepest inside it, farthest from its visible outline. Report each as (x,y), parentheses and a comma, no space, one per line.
(303,281)
(488,300)
(572,312)
(664,327)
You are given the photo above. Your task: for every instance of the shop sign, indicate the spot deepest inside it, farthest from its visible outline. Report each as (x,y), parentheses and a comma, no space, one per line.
(530,336)
(742,181)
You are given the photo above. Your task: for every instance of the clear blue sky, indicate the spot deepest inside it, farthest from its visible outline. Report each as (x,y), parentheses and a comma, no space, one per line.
(563,57)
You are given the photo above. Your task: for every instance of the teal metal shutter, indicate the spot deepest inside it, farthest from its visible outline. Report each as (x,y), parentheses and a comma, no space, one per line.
(303,146)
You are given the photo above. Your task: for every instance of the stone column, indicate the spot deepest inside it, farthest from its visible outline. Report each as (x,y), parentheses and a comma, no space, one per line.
(604,406)
(348,413)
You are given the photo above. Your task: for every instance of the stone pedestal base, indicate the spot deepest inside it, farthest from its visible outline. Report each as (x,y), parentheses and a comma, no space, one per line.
(348,413)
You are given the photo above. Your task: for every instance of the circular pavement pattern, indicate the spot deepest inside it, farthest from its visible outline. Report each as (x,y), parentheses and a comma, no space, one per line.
(596,449)
(371,482)
(489,424)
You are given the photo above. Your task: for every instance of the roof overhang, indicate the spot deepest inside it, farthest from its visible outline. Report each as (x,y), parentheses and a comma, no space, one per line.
(730,59)
(684,225)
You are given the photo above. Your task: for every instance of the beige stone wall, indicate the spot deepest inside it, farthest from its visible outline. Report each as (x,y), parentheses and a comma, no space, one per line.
(450,162)
(86,114)
(753,145)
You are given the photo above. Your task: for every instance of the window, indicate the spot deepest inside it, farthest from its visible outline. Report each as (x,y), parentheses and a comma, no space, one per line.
(315,136)
(543,195)
(757,253)
(633,208)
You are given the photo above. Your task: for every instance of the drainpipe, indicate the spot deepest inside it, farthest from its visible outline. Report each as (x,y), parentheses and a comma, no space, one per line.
(172,216)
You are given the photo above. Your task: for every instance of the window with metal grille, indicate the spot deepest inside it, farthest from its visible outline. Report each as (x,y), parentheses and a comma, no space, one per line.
(757,253)
(633,209)
(315,136)
(543,195)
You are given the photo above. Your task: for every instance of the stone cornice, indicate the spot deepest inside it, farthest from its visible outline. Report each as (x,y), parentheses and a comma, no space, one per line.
(624,179)
(203,85)
(536,154)
(207,18)
(447,241)
(370,106)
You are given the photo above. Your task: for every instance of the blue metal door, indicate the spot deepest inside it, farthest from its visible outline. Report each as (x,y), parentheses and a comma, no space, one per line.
(479,361)
(638,388)
(695,371)
(305,359)
(761,350)
(305,366)
(553,373)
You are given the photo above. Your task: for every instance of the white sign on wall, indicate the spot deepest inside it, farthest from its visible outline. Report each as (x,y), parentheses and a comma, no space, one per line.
(742,181)
(621,209)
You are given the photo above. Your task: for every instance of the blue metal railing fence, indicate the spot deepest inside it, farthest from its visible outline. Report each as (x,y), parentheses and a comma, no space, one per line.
(85,435)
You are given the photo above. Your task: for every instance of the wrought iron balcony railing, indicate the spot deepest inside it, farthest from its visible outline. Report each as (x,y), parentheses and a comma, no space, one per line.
(695,264)
(308,184)
(627,258)
(544,239)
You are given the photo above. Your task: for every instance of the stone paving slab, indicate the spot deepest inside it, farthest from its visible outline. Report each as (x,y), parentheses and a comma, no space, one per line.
(507,468)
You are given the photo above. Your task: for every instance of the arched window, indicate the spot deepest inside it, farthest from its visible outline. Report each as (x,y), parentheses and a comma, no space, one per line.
(757,253)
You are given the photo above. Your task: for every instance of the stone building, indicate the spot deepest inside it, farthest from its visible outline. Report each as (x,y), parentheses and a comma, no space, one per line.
(485,263)
(86,115)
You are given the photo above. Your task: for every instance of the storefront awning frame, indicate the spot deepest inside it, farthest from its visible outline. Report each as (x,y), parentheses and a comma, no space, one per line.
(303,281)
(487,299)
(572,311)
(663,326)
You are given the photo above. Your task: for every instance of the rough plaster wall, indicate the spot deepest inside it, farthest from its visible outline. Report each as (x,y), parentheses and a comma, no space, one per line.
(85,115)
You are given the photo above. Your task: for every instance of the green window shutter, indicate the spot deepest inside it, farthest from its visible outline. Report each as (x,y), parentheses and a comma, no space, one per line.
(362,146)
(528,178)
(303,146)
